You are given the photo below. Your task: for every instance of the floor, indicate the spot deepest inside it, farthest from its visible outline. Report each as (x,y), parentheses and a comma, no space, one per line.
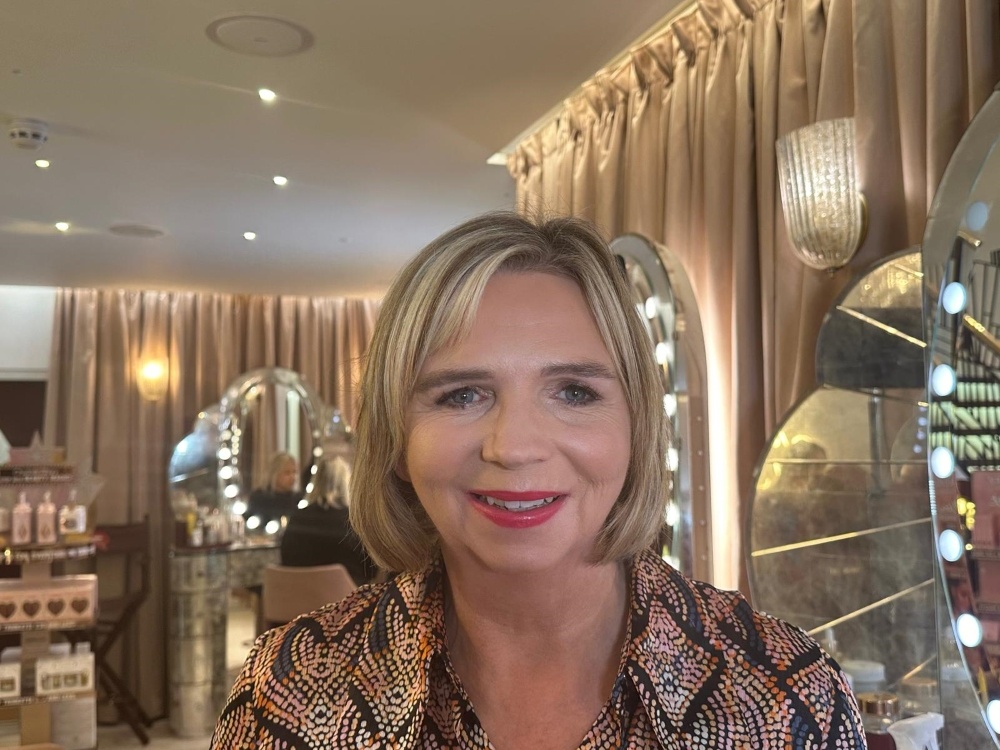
(239,639)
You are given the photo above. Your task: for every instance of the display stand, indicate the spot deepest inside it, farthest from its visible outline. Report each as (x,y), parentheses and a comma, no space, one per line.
(34,605)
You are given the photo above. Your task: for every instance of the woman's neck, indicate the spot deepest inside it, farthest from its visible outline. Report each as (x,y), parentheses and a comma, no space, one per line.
(508,618)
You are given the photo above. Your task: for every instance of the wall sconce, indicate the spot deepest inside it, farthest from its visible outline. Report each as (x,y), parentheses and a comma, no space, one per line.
(152,378)
(826,214)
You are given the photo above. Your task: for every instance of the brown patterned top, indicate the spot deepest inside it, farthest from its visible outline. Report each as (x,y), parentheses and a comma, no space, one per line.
(700,670)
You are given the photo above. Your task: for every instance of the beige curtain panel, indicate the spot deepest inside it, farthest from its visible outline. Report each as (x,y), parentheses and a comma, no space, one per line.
(678,145)
(94,409)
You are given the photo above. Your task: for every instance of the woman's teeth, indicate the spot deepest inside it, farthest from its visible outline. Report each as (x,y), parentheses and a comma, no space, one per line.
(517,505)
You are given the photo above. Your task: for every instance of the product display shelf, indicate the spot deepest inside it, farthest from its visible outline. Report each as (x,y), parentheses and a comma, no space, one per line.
(35,638)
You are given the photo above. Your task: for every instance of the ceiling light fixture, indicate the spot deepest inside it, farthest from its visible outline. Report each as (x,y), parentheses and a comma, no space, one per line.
(42,163)
(266,95)
(62,226)
(249,235)
(279,180)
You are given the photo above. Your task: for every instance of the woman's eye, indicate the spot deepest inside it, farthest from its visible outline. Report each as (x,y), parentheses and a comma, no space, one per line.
(460,397)
(578,394)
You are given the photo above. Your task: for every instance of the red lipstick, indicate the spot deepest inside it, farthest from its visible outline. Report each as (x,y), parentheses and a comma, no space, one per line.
(517,519)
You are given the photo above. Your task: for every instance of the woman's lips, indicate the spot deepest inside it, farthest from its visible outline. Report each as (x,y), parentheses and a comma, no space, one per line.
(517,510)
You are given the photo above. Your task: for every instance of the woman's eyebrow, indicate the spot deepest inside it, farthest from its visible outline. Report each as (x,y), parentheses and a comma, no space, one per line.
(579,370)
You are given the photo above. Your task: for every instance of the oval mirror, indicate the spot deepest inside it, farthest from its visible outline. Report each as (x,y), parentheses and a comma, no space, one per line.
(961,256)
(270,438)
(664,297)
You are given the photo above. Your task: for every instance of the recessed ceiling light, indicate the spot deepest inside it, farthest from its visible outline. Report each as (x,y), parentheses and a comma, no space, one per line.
(42,163)
(249,235)
(279,180)
(62,226)
(267,95)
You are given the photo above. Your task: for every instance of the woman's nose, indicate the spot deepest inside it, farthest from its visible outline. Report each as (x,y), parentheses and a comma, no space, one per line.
(516,434)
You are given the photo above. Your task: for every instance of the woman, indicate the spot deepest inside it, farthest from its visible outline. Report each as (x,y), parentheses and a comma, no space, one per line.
(511,443)
(278,498)
(320,533)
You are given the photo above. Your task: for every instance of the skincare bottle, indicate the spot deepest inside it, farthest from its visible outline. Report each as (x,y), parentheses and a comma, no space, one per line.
(21,529)
(72,517)
(46,520)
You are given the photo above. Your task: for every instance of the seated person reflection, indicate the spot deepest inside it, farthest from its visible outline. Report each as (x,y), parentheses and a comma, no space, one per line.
(277,499)
(320,533)
(510,461)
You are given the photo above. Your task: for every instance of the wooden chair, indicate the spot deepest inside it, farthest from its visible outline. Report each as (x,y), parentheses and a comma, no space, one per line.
(289,592)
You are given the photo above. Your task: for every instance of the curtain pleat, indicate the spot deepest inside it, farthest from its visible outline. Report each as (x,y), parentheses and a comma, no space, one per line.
(94,409)
(678,145)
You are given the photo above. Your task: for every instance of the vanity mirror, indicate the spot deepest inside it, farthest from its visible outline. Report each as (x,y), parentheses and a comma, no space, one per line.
(665,300)
(962,275)
(270,439)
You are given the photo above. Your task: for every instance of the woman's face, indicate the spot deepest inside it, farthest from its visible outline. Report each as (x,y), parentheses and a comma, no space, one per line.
(518,436)
(284,480)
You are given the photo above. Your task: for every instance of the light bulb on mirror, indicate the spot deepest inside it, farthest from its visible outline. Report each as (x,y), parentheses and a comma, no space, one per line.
(272,527)
(943,380)
(253,522)
(954,298)
(942,462)
(950,545)
(239,508)
(969,630)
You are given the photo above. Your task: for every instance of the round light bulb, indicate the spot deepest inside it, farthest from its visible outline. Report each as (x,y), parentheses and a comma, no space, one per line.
(62,226)
(231,491)
(977,215)
(253,522)
(266,95)
(673,459)
(250,236)
(670,404)
(652,307)
(302,503)
(279,180)
(42,163)
(239,508)
(224,453)
(953,298)
(993,715)
(969,630)
(942,462)
(943,380)
(226,472)
(272,527)
(950,545)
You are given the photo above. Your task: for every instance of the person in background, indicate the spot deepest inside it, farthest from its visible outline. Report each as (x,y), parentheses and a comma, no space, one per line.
(278,498)
(320,533)
(511,443)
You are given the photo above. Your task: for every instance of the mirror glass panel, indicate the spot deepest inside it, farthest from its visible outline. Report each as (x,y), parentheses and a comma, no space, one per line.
(962,292)
(269,441)
(666,305)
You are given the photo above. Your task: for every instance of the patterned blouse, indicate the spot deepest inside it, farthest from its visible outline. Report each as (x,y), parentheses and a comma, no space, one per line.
(700,669)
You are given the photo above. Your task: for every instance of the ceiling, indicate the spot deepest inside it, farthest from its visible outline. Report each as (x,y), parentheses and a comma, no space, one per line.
(382,126)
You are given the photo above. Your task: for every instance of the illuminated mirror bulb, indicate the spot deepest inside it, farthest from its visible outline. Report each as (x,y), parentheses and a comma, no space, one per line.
(226,472)
(943,380)
(318,451)
(302,503)
(670,404)
(272,527)
(953,298)
(977,215)
(253,522)
(673,459)
(224,453)
(969,630)
(673,514)
(652,307)
(950,545)
(662,353)
(239,508)
(993,715)
(942,462)
(231,491)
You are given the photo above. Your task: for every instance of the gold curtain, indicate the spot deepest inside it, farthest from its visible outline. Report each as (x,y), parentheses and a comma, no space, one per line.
(94,409)
(678,144)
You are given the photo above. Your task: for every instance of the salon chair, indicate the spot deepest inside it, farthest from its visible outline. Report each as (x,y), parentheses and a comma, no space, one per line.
(289,592)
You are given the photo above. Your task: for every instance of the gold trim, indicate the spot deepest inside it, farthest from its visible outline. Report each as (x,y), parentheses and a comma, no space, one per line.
(837,538)
(869,607)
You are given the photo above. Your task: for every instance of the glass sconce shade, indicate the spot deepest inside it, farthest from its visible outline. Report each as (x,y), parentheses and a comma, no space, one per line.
(826,215)
(152,378)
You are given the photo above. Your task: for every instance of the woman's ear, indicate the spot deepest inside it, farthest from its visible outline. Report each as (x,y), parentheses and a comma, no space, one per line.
(401,470)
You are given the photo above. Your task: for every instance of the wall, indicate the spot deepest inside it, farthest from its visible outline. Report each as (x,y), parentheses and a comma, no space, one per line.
(25,332)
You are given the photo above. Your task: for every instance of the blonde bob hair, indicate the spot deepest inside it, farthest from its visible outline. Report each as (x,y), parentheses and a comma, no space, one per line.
(432,304)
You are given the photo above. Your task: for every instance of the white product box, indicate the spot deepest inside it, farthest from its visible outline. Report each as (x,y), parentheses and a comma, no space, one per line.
(10,680)
(58,675)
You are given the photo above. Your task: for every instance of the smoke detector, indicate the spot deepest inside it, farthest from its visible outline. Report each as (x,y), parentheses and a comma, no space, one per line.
(28,134)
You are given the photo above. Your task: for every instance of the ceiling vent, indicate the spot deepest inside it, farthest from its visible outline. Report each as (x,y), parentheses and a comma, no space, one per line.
(28,134)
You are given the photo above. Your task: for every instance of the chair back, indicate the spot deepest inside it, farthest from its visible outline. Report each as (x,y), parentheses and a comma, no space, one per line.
(124,558)
(289,592)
